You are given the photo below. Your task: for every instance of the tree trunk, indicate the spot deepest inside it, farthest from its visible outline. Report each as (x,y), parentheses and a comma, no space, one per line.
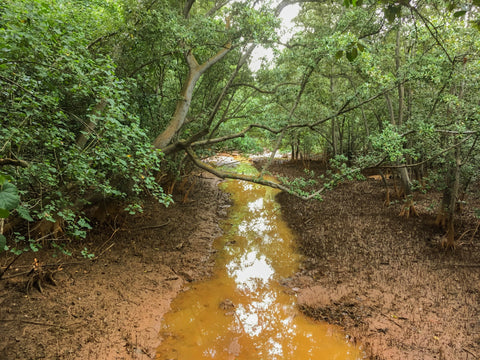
(446,214)
(92,124)
(401,89)
(334,122)
(408,208)
(185,99)
(390,109)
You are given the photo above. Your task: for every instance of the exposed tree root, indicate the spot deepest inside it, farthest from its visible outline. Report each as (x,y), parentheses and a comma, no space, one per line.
(408,208)
(38,277)
(441,219)
(445,220)
(387,198)
(448,240)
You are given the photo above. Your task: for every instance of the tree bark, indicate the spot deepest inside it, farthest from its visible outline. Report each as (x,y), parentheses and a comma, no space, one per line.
(334,122)
(390,109)
(401,88)
(183,103)
(92,124)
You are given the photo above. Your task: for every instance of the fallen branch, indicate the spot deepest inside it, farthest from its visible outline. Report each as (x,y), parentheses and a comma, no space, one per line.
(2,272)
(152,226)
(471,353)
(34,323)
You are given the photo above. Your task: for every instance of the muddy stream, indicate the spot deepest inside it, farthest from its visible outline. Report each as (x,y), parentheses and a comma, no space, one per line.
(243,312)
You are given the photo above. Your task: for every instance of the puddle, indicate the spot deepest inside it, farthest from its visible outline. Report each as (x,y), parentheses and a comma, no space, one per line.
(242,312)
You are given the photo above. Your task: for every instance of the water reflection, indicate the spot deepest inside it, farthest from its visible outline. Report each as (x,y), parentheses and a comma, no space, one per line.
(243,313)
(251,271)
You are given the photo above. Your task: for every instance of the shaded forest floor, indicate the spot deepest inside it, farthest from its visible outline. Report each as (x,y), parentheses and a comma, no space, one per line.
(384,278)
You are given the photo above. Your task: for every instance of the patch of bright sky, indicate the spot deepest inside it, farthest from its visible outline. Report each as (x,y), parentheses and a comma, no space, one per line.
(262,55)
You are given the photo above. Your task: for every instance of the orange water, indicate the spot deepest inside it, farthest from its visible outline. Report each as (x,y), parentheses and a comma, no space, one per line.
(242,312)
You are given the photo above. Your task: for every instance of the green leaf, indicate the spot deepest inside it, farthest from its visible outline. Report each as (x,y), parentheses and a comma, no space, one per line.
(352,54)
(24,213)
(4,178)
(339,54)
(476,2)
(451,6)
(476,24)
(9,197)
(4,213)
(459,13)
(392,12)
(3,242)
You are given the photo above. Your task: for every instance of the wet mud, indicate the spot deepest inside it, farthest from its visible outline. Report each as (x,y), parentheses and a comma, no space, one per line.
(383,278)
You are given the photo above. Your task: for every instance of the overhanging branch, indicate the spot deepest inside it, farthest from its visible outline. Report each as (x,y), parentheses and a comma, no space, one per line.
(344,109)
(13,162)
(257,180)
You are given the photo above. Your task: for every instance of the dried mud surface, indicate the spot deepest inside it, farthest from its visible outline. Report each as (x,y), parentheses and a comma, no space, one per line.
(111,308)
(385,278)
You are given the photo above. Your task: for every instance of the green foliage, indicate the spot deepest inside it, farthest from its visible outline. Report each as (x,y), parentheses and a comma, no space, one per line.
(54,91)
(87,254)
(9,196)
(301,186)
(390,143)
(9,201)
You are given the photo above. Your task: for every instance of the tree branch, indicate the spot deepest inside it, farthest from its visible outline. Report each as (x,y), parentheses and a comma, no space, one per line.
(253,179)
(183,143)
(427,24)
(13,162)
(430,158)
(264,91)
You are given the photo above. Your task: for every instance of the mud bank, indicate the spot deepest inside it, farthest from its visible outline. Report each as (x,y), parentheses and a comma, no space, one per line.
(385,278)
(111,308)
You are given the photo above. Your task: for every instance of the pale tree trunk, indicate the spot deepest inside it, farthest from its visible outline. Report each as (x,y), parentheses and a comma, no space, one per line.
(401,88)
(334,121)
(446,215)
(92,124)
(367,130)
(408,208)
(186,94)
(390,109)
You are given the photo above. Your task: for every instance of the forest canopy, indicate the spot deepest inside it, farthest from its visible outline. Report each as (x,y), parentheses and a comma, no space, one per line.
(106,99)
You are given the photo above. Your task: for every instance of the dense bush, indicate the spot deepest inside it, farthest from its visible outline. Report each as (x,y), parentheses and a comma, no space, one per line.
(64,115)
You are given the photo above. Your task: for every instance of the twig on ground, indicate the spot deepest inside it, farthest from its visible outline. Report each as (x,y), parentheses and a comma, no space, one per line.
(471,353)
(152,227)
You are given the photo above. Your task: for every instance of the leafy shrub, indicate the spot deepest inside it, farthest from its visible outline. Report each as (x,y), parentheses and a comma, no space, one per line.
(65,114)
